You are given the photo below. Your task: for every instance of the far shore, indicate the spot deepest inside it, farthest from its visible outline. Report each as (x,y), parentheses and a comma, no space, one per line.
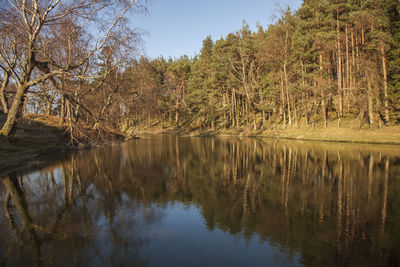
(389,135)
(38,137)
(384,136)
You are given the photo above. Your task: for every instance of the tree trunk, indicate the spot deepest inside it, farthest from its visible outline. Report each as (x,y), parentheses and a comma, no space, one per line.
(283,102)
(262,109)
(177,115)
(233,108)
(15,111)
(262,119)
(357,53)
(225,99)
(62,111)
(353,63)
(304,100)
(385,85)
(352,78)
(295,113)
(287,95)
(3,97)
(323,104)
(237,109)
(347,71)
(370,102)
(50,104)
(339,67)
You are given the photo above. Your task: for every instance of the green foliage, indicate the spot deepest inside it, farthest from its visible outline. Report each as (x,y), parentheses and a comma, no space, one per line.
(394,63)
(325,56)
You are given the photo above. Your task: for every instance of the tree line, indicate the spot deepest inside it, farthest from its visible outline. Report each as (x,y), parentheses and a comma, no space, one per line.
(327,61)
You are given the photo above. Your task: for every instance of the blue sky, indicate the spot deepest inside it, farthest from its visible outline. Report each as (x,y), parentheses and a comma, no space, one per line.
(177,27)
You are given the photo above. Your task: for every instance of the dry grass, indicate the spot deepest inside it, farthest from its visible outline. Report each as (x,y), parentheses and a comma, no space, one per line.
(349,131)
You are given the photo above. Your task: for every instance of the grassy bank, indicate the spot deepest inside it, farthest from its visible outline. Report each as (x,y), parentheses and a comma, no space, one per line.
(37,137)
(390,135)
(349,131)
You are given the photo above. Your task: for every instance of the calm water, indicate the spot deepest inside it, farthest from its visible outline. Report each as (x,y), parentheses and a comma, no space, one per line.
(172,201)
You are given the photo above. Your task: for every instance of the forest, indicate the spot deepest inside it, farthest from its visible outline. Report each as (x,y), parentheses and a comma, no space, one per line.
(327,62)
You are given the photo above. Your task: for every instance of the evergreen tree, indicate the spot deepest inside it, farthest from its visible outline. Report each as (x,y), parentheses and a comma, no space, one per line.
(329,60)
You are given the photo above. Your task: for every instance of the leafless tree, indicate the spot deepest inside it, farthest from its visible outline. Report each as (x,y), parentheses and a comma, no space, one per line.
(48,39)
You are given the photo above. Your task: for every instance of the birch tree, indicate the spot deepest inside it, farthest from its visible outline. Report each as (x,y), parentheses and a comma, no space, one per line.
(35,44)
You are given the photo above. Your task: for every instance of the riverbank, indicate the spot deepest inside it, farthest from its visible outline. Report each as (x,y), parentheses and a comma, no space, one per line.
(38,136)
(390,135)
(349,132)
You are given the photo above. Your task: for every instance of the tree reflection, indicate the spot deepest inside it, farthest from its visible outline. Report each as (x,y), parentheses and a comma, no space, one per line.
(61,216)
(327,201)
(335,204)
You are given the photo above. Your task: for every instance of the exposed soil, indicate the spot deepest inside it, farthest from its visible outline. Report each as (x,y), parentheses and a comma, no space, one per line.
(38,137)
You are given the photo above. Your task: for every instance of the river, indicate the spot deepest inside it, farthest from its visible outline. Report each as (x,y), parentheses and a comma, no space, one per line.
(165,200)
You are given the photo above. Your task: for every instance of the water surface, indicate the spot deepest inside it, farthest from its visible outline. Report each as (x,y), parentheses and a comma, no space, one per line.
(176,201)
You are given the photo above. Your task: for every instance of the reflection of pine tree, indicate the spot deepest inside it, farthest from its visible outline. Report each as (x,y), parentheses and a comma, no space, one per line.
(306,197)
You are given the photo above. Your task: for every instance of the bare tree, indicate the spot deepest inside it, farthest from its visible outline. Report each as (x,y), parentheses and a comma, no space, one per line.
(42,51)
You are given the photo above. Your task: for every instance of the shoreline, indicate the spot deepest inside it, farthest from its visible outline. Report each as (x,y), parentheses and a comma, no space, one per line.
(40,140)
(331,139)
(385,136)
